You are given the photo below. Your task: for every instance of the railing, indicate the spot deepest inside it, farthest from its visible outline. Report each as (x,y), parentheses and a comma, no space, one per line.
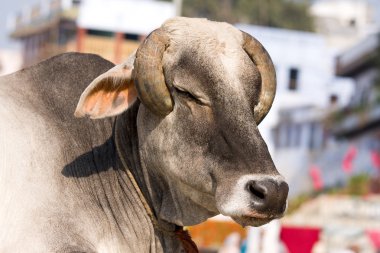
(357,54)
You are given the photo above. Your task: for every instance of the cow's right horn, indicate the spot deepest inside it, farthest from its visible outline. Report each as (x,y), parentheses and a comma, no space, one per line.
(149,76)
(262,60)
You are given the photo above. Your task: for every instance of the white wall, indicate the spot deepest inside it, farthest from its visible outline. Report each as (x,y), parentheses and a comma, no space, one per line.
(129,16)
(315,61)
(10,61)
(309,53)
(333,19)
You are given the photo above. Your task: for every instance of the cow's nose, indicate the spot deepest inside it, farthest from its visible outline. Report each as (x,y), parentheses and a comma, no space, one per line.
(268,196)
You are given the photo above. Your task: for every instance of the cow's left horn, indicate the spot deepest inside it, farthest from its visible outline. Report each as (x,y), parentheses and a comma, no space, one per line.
(262,60)
(148,74)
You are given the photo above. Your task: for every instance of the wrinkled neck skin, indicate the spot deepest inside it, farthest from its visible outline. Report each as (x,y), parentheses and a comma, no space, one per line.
(164,194)
(126,130)
(174,200)
(162,204)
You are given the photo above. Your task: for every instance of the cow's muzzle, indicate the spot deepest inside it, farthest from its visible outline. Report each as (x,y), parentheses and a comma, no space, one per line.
(268,196)
(254,200)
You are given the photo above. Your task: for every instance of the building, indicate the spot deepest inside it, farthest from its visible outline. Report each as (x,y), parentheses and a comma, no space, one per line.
(361,62)
(342,142)
(45,29)
(307,89)
(298,136)
(315,119)
(345,22)
(58,26)
(305,70)
(358,125)
(117,32)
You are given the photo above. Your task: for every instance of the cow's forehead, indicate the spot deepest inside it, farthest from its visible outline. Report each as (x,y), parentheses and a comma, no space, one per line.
(212,50)
(203,34)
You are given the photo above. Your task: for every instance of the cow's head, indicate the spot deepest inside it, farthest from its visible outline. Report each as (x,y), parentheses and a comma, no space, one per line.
(204,87)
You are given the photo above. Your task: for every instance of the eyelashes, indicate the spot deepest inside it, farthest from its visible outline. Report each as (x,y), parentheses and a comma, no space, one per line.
(187,95)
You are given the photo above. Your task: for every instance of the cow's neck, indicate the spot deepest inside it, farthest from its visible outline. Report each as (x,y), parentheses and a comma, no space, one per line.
(167,233)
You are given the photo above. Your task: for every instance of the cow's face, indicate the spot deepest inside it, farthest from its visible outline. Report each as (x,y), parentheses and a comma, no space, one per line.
(203,136)
(209,143)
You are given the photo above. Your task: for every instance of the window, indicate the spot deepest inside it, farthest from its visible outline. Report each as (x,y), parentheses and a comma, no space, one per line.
(333,99)
(100,33)
(352,22)
(297,130)
(289,135)
(131,36)
(293,79)
(312,133)
(65,35)
(76,2)
(283,136)
(326,136)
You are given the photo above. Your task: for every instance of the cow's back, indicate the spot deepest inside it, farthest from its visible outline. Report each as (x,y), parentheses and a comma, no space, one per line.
(43,149)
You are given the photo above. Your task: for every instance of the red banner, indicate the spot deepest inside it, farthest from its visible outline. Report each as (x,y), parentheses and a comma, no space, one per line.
(316,176)
(299,239)
(375,157)
(348,159)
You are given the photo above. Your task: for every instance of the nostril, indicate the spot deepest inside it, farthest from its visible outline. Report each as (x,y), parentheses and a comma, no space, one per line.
(257,190)
(284,188)
(268,196)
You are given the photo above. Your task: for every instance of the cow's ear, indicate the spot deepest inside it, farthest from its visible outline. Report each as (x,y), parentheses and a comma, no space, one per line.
(109,94)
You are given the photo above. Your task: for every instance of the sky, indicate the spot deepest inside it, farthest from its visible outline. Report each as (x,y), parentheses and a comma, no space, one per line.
(8,7)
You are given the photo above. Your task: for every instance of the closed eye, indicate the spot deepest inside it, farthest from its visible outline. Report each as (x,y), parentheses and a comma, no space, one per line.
(188,95)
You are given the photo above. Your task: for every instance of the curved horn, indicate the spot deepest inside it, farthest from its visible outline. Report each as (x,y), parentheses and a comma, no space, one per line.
(262,60)
(148,74)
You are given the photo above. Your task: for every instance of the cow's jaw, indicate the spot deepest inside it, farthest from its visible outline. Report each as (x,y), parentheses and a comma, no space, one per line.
(250,221)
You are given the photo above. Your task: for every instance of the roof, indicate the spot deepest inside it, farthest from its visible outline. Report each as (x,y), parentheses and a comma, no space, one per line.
(358,57)
(356,123)
(35,27)
(127,16)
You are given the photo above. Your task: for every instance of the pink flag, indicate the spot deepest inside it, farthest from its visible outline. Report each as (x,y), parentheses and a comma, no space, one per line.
(374,235)
(348,158)
(315,173)
(375,157)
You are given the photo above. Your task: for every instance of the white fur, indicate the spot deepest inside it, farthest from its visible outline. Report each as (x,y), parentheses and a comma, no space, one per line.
(238,203)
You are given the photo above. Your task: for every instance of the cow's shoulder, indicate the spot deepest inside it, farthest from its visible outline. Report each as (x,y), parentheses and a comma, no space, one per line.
(60,80)
(49,91)
(69,70)
(55,84)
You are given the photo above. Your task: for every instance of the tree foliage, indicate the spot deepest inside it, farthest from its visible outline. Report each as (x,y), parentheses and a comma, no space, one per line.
(273,13)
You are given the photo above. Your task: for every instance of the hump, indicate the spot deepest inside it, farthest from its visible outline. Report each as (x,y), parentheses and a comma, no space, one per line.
(51,90)
(54,86)
(60,80)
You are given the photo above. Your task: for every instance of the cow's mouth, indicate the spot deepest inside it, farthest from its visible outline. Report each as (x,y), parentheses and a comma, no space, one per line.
(252,221)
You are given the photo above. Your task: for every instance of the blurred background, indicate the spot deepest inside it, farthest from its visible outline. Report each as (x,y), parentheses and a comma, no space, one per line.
(323,130)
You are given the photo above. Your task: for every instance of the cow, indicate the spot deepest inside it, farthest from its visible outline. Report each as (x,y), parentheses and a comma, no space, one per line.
(164,140)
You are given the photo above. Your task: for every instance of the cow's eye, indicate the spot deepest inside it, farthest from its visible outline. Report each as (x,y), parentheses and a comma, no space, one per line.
(188,95)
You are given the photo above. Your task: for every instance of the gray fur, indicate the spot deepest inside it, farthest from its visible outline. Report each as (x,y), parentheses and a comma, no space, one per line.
(63,186)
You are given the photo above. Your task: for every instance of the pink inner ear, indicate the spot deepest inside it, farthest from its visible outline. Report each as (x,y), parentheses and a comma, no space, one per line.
(103,102)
